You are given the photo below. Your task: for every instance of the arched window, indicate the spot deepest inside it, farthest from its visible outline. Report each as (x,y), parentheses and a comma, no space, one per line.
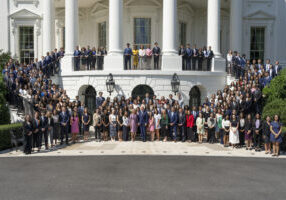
(195,97)
(90,98)
(141,90)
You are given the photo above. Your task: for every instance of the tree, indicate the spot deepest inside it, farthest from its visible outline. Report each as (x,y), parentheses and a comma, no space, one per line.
(275,97)
(4,110)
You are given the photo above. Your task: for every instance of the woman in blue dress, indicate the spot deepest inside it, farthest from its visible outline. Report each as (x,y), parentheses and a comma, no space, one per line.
(275,136)
(85,120)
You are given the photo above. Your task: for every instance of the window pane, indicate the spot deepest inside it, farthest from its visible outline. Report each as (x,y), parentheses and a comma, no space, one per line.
(26,44)
(142,31)
(257,44)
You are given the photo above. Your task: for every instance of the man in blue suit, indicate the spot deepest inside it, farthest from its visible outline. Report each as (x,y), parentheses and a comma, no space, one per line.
(173,123)
(127,57)
(64,119)
(189,54)
(142,122)
(156,53)
(77,55)
(277,68)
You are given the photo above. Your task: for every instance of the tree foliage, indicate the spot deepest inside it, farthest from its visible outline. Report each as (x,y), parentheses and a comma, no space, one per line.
(4,110)
(277,88)
(275,95)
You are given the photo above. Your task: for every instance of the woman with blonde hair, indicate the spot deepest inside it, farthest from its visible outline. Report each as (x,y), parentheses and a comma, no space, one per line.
(200,127)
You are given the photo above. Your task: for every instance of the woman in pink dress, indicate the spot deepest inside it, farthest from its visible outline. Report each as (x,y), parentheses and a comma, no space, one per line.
(148,56)
(133,120)
(151,125)
(74,126)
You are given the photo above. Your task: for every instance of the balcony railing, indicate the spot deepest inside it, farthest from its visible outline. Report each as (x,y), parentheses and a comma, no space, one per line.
(196,64)
(84,63)
(142,63)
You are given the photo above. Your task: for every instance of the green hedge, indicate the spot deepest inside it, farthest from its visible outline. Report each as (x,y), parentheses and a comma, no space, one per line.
(5,136)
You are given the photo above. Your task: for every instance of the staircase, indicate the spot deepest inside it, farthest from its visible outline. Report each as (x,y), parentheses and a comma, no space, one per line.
(230,79)
(16,116)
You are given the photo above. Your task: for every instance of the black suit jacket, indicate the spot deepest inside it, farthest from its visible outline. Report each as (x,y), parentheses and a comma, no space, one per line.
(43,123)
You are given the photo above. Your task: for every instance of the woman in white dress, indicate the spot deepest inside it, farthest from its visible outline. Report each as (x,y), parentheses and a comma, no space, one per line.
(142,54)
(200,127)
(233,133)
(157,118)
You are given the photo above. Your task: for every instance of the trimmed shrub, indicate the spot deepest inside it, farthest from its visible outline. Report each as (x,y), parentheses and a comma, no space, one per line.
(277,88)
(5,136)
(278,107)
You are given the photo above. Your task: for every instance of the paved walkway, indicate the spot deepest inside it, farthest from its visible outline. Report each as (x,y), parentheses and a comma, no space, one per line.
(140,148)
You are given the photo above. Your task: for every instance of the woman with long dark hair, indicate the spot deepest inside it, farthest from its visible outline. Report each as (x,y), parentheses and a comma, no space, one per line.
(275,137)
(28,132)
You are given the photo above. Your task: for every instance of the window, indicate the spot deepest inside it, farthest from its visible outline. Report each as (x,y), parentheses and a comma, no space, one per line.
(142,31)
(26,40)
(182,33)
(257,43)
(195,97)
(102,34)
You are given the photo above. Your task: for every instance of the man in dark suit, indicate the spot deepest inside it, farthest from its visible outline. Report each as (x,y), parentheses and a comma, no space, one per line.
(173,123)
(156,52)
(257,99)
(277,68)
(209,57)
(189,54)
(182,125)
(89,57)
(99,100)
(195,57)
(77,55)
(182,53)
(257,135)
(127,57)
(64,119)
(142,122)
(43,130)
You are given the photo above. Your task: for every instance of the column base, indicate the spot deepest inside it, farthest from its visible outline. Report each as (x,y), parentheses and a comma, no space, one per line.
(67,65)
(113,63)
(218,64)
(171,63)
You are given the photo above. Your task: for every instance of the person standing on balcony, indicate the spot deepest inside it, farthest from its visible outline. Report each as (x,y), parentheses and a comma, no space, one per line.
(209,56)
(93,58)
(200,59)
(142,54)
(89,57)
(182,53)
(135,54)
(189,54)
(195,57)
(156,52)
(149,54)
(127,57)
(77,55)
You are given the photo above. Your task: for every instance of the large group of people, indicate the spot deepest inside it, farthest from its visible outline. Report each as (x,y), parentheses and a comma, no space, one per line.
(231,117)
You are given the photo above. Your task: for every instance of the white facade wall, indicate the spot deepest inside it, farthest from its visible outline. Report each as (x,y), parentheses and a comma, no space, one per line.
(160,82)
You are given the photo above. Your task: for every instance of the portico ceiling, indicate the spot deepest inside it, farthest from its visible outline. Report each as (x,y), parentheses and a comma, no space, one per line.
(89,3)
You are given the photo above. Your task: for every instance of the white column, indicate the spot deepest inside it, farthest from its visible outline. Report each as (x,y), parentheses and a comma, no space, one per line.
(171,61)
(236,25)
(48,26)
(71,31)
(169,27)
(214,26)
(114,60)
(115,27)
(71,36)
